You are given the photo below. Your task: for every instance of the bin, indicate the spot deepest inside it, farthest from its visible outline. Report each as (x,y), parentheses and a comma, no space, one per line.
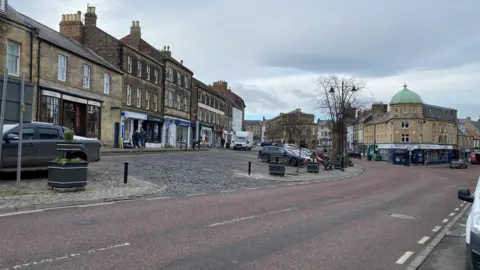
(369,157)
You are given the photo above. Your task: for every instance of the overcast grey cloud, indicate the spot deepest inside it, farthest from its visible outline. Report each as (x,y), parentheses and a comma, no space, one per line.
(269,48)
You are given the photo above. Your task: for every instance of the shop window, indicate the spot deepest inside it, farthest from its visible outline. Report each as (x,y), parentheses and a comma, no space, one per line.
(50,110)
(405,138)
(93,121)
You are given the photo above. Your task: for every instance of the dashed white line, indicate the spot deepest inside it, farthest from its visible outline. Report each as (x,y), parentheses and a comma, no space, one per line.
(445,220)
(452,214)
(404,257)
(436,229)
(196,194)
(456,209)
(251,217)
(49,260)
(158,198)
(379,190)
(423,240)
(228,191)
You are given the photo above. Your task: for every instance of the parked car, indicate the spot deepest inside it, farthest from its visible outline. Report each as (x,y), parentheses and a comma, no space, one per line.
(288,156)
(265,144)
(472,232)
(459,164)
(39,146)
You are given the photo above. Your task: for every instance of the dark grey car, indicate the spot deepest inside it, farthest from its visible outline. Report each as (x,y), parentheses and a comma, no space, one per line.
(39,146)
(459,164)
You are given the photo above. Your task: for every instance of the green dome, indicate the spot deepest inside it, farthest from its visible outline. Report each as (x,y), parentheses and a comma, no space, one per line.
(406,96)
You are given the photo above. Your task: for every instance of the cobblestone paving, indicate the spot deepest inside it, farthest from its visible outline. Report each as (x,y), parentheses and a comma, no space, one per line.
(173,173)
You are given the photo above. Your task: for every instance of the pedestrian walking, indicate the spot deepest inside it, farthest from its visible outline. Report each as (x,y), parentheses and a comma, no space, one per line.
(142,139)
(135,137)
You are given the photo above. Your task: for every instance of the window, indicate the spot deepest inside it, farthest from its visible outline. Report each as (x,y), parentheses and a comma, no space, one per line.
(405,138)
(434,128)
(155,73)
(13,57)
(155,102)
(445,128)
(414,110)
(179,78)
(27,133)
(304,131)
(139,69)
(62,68)
(86,76)
(139,98)
(170,98)
(420,124)
(420,139)
(396,110)
(185,82)
(129,95)
(185,103)
(178,102)
(48,133)
(405,110)
(405,124)
(106,83)
(170,74)
(147,100)
(129,64)
(148,72)
(50,110)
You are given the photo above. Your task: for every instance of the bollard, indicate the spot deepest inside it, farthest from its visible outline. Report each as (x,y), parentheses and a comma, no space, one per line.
(125,172)
(249,167)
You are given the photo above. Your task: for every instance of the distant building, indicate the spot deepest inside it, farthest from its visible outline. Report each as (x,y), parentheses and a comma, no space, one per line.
(324,133)
(294,127)
(255,126)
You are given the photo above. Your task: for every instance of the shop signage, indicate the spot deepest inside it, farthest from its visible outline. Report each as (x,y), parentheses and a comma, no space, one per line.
(51,94)
(181,123)
(74,99)
(154,118)
(94,103)
(415,146)
(134,115)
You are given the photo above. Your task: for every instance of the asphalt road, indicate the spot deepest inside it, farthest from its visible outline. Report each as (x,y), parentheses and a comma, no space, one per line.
(344,224)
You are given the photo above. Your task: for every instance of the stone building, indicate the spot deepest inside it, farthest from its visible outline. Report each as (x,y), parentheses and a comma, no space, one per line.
(324,134)
(236,106)
(211,113)
(294,127)
(473,128)
(411,130)
(19,44)
(254,126)
(465,144)
(141,95)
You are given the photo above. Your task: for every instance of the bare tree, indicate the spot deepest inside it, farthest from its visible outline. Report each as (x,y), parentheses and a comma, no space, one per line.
(295,127)
(338,98)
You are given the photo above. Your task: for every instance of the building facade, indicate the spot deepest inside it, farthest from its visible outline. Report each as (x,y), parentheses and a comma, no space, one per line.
(324,134)
(141,80)
(294,127)
(233,113)
(254,126)
(465,144)
(411,131)
(211,114)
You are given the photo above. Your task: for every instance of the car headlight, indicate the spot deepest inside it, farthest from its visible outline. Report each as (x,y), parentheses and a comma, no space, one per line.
(476,223)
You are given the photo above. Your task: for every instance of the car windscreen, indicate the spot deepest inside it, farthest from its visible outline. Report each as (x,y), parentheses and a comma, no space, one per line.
(8,127)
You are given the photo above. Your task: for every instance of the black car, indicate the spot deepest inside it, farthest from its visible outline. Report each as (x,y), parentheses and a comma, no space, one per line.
(459,164)
(265,144)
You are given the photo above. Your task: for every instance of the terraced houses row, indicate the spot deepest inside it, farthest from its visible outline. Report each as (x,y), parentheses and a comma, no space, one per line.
(83,78)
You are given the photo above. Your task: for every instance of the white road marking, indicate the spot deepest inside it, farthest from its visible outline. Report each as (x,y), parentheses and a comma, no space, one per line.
(341,199)
(423,240)
(332,201)
(228,191)
(158,198)
(404,257)
(272,186)
(452,214)
(252,188)
(21,212)
(291,184)
(436,229)
(95,204)
(380,190)
(351,197)
(251,217)
(49,260)
(196,194)
(445,220)
(456,209)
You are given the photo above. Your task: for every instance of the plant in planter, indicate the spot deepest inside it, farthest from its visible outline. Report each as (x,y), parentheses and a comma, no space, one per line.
(67,172)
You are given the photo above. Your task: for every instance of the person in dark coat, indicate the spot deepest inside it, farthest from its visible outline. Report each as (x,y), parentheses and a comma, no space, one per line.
(142,139)
(135,137)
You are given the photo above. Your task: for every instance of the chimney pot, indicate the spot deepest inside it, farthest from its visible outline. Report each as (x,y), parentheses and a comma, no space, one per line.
(168,48)
(164,48)
(137,23)
(133,23)
(63,17)
(181,62)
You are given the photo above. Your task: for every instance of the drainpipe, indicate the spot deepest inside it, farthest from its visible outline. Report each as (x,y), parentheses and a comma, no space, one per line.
(38,80)
(32,34)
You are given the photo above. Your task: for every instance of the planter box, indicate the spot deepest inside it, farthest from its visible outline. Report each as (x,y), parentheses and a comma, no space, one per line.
(337,165)
(68,175)
(276,169)
(313,168)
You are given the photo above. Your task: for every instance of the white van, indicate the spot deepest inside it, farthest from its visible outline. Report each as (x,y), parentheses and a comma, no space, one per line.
(472,233)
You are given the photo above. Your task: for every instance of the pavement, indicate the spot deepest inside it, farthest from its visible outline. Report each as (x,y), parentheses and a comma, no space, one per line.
(376,220)
(177,172)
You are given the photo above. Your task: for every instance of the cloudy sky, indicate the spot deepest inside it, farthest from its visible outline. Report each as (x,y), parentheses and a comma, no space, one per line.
(271,52)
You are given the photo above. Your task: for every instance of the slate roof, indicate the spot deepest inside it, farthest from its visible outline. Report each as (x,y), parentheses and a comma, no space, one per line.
(379,119)
(439,113)
(59,40)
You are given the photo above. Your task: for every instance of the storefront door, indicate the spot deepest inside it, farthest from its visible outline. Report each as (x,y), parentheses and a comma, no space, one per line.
(69,114)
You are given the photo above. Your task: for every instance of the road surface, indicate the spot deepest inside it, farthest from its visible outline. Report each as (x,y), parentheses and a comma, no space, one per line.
(373,221)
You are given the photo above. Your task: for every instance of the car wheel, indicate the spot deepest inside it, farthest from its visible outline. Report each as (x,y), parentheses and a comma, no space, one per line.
(293,162)
(265,158)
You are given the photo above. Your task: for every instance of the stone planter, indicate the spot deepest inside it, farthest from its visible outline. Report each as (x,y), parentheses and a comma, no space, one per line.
(67,175)
(313,167)
(277,169)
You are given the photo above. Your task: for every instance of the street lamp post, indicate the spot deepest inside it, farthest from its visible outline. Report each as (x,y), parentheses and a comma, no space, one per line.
(342,114)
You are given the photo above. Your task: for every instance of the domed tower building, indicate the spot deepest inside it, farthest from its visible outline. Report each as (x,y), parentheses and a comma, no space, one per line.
(412,132)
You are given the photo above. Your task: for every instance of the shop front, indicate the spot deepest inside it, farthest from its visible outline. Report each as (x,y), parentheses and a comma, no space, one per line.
(177,132)
(130,121)
(206,134)
(81,114)
(218,135)
(227,135)
(153,131)
(416,154)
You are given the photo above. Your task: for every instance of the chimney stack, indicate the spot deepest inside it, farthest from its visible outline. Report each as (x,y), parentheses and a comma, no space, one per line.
(72,26)
(135,34)
(90,16)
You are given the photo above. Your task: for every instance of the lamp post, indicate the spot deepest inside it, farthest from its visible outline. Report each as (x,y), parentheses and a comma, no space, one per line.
(342,117)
